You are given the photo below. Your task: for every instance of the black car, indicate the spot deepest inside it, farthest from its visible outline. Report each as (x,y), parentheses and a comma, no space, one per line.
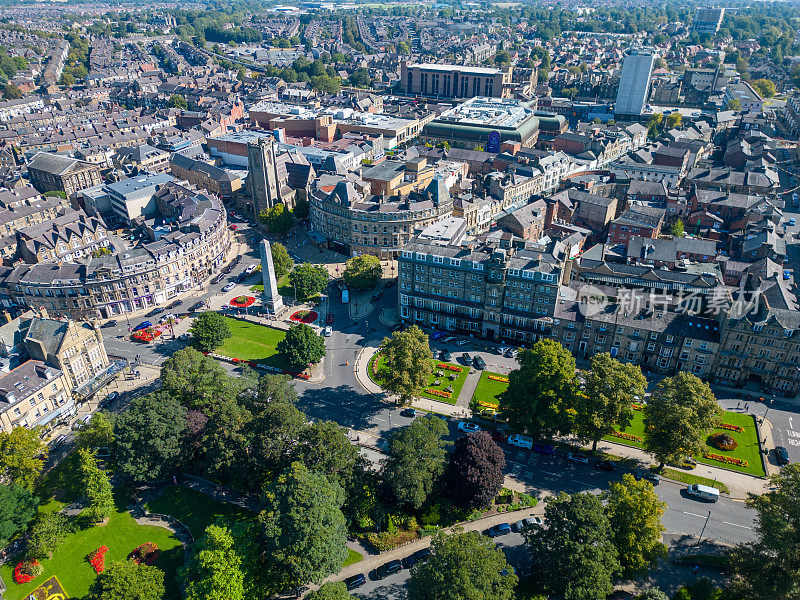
(647,476)
(355,581)
(174,304)
(781,455)
(604,465)
(446,356)
(390,568)
(479,363)
(390,283)
(377,296)
(217,278)
(420,556)
(156,311)
(196,306)
(408,412)
(111,323)
(466,358)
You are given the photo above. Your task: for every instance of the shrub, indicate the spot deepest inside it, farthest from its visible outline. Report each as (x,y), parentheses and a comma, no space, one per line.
(527,500)
(147,553)
(723,441)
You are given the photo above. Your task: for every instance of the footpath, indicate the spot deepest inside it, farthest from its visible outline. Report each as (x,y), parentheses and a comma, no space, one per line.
(739,484)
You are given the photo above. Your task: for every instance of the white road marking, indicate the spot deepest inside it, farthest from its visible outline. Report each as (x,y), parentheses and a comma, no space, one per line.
(790,423)
(694,515)
(547,473)
(737,525)
(583,483)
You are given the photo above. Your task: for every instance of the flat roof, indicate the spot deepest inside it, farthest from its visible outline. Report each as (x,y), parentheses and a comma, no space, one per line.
(488,112)
(437,67)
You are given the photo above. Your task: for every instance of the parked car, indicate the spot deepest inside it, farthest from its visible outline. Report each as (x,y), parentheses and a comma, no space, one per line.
(355,581)
(578,457)
(250,268)
(420,556)
(647,475)
(328,331)
(521,441)
(499,437)
(687,462)
(437,335)
(529,522)
(466,358)
(390,283)
(479,363)
(110,323)
(787,274)
(329,318)
(462,342)
(58,441)
(408,412)
(390,568)
(468,427)
(604,465)
(446,356)
(781,455)
(196,306)
(544,448)
(228,287)
(217,278)
(234,226)
(498,530)
(143,325)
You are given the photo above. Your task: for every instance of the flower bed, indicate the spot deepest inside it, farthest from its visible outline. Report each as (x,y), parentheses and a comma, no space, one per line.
(147,553)
(304,316)
(498,378)
(731,427)
(722,441)
(726,459)
(146,335)
(27,570)
(242,301)
(449,367)
(626,436)
(637,406)
(438,393)
(98,559)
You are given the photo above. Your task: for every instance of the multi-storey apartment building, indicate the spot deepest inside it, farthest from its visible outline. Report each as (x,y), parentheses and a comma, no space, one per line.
(34,395)
(504,290)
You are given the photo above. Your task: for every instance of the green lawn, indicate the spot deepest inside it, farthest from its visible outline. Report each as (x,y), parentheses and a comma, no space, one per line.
(444,381)
(251,341)
(747,449)
(488,391)
(352,558)
(121,534)
(197,511)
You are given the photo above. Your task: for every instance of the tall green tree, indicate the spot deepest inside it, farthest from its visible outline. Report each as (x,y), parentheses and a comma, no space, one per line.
(769,566)
(764,87)
(197,381)
(542,390)
(634,511)
(679,416)
(98,432)
(604,405)
(177,101)
(278,219)
(48,532)
(274,436)
(125,580)
(304,528)
(150,437)
(308,280)
(215,570)
(325,448)
(407,363)
(209,330)
(224,443)
(363,272)
(573,553)
(677,228)
(17,509)
(463,566)
(417,460)
(301,347)
(281,260)
(476,470)
(97,487)
(22,456)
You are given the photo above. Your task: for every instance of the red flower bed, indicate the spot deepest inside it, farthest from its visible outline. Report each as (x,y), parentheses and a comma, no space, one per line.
(98,559)
(147,553)
(304,316)
(27,570)
(449,367)
(146,335)
(242,301)
(731,427)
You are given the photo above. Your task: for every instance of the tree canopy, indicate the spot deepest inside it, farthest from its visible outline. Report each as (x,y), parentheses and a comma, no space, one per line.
(407,363)
(476,470)
(301,347)
(214,572)
(278,219)
(22,455)
(126,580)
(209,330)
(17,509)
(363,272)
(281,260)
(308,280)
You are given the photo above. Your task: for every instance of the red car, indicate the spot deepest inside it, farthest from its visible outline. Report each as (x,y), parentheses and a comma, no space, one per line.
(234,227)
(329,318)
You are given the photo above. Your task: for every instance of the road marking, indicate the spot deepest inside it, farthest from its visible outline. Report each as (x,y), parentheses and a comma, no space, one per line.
(547,473)
(583,483)
(695,515)
(790,423)
(737,525)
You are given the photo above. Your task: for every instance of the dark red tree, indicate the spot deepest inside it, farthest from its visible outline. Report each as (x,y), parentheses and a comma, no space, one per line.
(476,470)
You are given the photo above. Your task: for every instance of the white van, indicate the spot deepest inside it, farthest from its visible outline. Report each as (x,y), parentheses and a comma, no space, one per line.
(703,492)
(520,441)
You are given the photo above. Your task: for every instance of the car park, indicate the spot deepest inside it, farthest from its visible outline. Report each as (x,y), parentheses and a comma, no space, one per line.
(647,475)
(479,363)
(781,455)
(703,492)
(498,530)
(604,465)
(390,568)
(408,412)
(578,457)
(468,427)
(355,581)
(533,521)
(228,287)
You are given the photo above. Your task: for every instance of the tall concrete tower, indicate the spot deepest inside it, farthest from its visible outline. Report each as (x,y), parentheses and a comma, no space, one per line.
(272,299)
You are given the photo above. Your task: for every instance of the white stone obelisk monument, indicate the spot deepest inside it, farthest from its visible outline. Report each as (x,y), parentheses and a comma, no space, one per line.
(272,299)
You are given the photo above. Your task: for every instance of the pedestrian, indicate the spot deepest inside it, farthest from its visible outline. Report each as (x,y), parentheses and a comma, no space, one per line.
(745,406)
(737,404)
(696,570)
(174,480)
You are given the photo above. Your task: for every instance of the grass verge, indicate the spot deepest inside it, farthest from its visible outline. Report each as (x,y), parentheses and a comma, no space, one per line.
(488,391)
(251,341)
(353,557)
(689,479)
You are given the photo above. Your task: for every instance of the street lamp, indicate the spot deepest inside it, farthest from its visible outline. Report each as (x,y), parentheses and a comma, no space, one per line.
(768,407)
